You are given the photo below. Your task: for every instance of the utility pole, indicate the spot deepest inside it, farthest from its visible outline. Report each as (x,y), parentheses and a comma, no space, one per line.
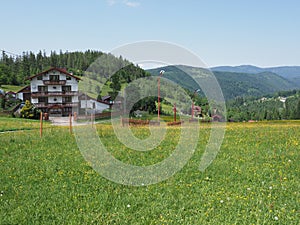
(158,94)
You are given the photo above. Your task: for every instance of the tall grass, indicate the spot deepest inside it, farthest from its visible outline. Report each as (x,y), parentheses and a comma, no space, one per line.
(253,180)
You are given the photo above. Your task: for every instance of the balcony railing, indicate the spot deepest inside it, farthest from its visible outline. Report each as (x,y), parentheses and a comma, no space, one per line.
(56,93)
(70,104)
(62,105)
(54,82)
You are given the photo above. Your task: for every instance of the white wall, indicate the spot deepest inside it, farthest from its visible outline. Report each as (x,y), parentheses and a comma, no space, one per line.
(73,83)
(35,83)
(58,99)
(75,99)
(20,96)
(54,88)
(62,76)
(100,107)
(89,104)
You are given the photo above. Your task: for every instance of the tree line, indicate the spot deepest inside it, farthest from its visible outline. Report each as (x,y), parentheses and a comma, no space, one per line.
(282,105)
(14,69)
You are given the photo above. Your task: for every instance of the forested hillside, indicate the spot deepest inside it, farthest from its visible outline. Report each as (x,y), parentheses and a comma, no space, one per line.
(103,73)
(281,105)
(245,84)
(291,73)
(14,70)
(232,84)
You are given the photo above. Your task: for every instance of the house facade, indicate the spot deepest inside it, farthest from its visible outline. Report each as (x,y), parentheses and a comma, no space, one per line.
(91,105)
(24,94)
(55,91)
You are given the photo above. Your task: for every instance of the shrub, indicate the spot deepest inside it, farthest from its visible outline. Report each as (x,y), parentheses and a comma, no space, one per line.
(29,111)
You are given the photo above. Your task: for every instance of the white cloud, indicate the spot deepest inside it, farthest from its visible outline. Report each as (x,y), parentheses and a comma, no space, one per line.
(111,2)
(151,65)
(131,4)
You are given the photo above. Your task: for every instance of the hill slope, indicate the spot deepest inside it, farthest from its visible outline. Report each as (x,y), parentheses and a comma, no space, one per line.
(291,73)
(232,84)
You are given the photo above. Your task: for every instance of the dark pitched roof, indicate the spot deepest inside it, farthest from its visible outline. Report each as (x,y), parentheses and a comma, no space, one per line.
(105,98)
(25,89)
(53,68)
(11,93)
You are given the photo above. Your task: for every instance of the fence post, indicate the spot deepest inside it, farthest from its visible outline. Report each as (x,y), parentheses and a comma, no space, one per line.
(41,124)
(75,116)
(70,123)
(92,119)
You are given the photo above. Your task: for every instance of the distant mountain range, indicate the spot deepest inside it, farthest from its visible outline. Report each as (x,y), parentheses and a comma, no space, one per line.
(237,81)
(291,73)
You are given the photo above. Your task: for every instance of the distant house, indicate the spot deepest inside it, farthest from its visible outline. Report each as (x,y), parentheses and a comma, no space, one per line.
(92,105)
(10,94)
(106,98)
(54,91)
(216,118)
(197,111)
(24,94)
(282,99)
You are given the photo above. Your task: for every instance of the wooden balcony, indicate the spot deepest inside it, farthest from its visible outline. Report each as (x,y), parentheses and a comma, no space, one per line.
(59,105)
(54,82)
(70,104)
(56,93)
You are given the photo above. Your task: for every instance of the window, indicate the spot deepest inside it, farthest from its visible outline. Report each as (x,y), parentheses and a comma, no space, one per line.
(55,111)
(67,99)
(68,109)
(42,88)
(40,77)
(66,88)
(54,77)
(43,99)
(69,78)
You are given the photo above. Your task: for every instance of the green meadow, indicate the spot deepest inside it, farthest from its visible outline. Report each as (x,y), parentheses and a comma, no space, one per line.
(254,179)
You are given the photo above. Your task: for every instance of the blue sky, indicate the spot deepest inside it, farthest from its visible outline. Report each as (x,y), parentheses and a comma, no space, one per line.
(221,32)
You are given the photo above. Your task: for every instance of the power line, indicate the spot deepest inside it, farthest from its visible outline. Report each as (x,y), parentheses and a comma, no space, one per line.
(10,53)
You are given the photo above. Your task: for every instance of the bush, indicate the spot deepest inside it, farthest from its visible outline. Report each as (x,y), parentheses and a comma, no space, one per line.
(29,111)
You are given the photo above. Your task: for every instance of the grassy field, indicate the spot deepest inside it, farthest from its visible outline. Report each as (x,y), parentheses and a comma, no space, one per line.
(88,86)
(15,124)
(253,180)
(13,88)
